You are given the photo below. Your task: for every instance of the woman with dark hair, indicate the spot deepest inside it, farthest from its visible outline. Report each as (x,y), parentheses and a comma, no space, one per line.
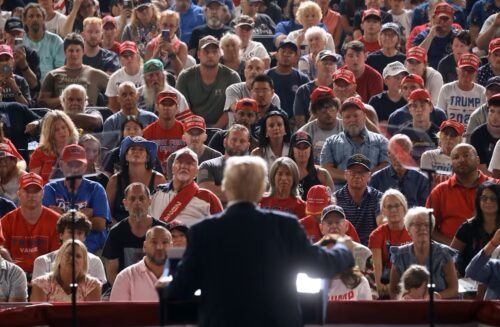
(283,194)
(309,173)
(460,43)
(274,137)
(476,232)
(137,157)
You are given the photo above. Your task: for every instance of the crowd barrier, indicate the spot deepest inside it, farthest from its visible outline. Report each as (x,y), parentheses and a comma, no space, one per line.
(394,313)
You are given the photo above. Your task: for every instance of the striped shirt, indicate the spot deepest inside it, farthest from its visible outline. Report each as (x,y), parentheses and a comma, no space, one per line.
(363,217)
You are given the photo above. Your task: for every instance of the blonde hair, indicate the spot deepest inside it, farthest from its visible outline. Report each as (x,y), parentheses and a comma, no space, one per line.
(47,142)
(92,20)
(397,194)
(170,13)
(135,22)
(229,37)
(244,178)
(56,268)
(306,6)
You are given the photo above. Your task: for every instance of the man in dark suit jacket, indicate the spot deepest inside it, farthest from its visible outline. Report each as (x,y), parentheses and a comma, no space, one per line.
(245,260)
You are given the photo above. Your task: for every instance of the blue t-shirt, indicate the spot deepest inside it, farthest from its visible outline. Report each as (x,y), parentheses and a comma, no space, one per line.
(49,49)
(285,86)
(188,20)
(440,46)
(88,195)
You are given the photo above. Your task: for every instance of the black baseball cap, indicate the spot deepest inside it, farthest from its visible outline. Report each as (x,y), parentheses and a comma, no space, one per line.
(14,24)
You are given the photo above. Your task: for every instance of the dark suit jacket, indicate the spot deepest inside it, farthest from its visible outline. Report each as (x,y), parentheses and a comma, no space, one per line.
(245,260)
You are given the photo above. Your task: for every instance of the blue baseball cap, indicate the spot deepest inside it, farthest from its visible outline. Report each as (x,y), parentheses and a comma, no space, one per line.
(127,142)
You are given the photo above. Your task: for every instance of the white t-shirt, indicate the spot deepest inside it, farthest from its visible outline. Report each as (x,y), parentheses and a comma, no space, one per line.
(435,159)
(495,158)
(319,135)
(433,83)
(56,23)
(459,104)
(404,20)
(121,76)
(339,292)
(330,45)
(486,25)
(254,49)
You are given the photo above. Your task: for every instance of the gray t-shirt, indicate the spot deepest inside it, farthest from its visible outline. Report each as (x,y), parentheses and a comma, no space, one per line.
(319,135)
(206,100)
(208,153)
(212,170)
(13,282)
(112,126)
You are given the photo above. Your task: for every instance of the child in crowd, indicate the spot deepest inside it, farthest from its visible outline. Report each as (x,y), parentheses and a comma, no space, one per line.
(414,284)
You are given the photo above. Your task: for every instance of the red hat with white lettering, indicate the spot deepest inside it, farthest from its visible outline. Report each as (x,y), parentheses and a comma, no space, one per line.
(444,9)
(494,45)
(418,53)
(344,74)
(318,198)
(452,123)
(30,179)
(468,60)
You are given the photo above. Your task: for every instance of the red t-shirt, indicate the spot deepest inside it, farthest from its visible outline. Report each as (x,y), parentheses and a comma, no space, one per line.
(369,84)
(370,46)
(311,226)
(294,205)
(40,159)
(24,241)
(453,203)
(167,140)
(383,237)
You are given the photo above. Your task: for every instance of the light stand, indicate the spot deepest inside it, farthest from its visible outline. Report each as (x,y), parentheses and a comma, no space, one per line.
(431,286)
(73,285)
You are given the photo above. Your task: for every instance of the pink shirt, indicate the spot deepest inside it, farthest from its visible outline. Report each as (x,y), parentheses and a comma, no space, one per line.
(135,283)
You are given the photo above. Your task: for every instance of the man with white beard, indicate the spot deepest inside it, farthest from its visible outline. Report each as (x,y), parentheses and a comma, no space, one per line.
(182,199)
(355,138)
(155,82)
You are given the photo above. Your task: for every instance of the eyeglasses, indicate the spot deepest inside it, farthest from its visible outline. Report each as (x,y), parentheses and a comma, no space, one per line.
(485,198)
(393,206)
(420,225)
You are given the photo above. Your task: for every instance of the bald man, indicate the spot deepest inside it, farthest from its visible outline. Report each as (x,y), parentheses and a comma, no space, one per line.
(453,200)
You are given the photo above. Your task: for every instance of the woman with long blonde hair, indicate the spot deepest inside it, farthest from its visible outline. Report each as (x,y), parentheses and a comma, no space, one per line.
(58,130)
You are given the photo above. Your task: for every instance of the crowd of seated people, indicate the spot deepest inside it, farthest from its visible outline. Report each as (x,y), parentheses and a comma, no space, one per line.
(377,120)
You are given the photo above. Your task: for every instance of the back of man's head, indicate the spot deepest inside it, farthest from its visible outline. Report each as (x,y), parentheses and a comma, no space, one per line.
(244,178)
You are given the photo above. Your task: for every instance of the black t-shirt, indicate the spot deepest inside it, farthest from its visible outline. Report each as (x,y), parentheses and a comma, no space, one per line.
(447,67)
(473,235)
(9,96)
(15,117)
(6,206)
(123,245)
(379,61)
(33,61)
(385,106)
(201,31)
(484,143)
(105,60)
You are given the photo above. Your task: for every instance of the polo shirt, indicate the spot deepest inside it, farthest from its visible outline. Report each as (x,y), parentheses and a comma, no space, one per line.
(135,283)
(453,203)
(414,184)
(364,216)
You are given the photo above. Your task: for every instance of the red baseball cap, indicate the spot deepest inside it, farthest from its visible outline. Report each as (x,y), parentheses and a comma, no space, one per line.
(417,53)
(128,46)
(413,78)
(6,151)
(468,60)
(6,49)
(321,92)
(444,9)
(74,152)
(344,74)
(457,126)
(30,179)
(109,20)
(353,101)
(247,104)
(494,45)
(371,13)
(419,94)
(318,198)
(194,121)
(164,95)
